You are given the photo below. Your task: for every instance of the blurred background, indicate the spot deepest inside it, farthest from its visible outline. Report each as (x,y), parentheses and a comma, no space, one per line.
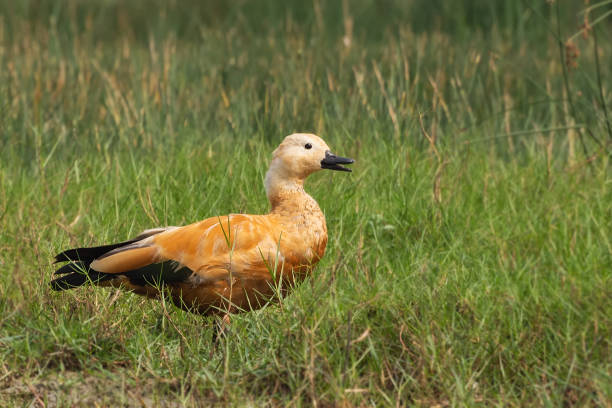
(143,70)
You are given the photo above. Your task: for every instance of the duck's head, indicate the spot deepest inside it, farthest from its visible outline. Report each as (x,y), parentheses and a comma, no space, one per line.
(302,154)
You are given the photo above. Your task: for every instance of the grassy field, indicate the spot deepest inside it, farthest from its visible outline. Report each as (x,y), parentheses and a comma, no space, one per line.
(470,251)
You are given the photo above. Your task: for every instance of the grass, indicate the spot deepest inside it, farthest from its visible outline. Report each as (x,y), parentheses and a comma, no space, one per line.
(470,254)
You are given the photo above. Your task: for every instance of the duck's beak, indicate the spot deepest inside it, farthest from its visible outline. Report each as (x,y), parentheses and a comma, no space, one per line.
(333,162)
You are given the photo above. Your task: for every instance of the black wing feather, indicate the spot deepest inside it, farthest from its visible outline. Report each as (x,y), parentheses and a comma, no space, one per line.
(76,279)
(159,273)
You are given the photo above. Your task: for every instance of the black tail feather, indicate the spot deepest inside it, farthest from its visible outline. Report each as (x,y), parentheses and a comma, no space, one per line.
(77,272)
(87,255)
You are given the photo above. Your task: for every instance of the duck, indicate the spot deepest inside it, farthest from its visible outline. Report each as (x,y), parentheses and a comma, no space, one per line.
(224,264)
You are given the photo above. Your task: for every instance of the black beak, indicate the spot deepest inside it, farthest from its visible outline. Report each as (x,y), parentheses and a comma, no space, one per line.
(333,162)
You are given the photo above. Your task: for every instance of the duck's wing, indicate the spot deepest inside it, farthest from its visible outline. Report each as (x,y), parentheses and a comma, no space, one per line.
(207,248)
(235,238)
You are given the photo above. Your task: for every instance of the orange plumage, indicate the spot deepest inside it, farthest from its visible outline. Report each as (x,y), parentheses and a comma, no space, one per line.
(231,263)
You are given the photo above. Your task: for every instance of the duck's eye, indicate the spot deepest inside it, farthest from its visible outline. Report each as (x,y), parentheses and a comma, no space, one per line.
(308,146)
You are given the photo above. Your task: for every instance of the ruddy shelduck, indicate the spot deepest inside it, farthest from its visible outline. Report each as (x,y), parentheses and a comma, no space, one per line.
(224,264)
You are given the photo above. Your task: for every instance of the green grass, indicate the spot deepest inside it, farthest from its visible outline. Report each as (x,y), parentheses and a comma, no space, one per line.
(470,254)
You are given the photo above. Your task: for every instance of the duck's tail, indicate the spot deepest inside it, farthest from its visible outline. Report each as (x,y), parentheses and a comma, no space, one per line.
(79,272)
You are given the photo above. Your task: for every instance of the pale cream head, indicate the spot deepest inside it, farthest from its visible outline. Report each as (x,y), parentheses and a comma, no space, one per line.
(297,157)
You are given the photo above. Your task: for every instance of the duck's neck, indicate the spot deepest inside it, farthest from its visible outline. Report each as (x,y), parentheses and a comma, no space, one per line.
(286,194)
